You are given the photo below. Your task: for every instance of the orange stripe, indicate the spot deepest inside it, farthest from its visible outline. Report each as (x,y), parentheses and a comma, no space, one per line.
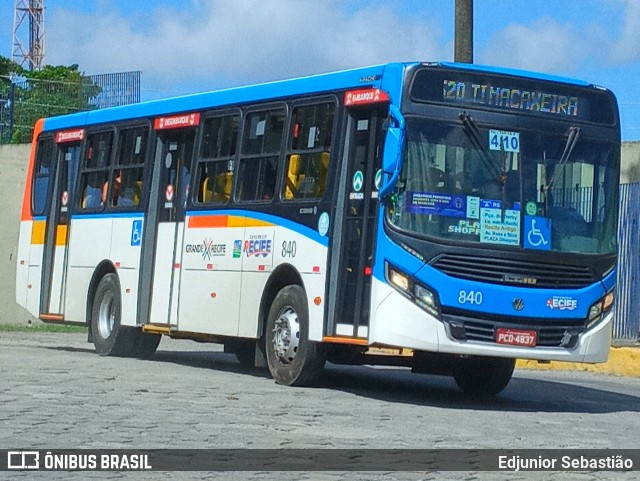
(201,221)
(52,317)
(346,340)
(38,233)
(217,221)
(61,235)
(258,223)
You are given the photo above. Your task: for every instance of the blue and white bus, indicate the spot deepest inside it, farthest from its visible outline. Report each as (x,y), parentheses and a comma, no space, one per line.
(456,216)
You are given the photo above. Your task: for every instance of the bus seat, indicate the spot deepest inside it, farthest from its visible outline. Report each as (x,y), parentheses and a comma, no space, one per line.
(223,185)
(137,194)
(322,174)
(294,177)
(207,193)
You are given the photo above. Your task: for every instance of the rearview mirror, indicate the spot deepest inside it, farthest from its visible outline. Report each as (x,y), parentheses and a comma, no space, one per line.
(393,149)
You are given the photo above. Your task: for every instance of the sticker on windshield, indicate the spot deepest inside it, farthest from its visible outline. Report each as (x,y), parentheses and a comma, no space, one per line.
(504,140)
(537,233)
(498,226)
(439,204)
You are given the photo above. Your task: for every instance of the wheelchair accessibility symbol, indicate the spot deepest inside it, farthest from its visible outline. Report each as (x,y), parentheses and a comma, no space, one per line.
(537,233)
(136,233)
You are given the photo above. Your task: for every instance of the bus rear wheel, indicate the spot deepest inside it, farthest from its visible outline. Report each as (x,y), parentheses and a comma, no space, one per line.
(483,376)
(293,359)
(110,338)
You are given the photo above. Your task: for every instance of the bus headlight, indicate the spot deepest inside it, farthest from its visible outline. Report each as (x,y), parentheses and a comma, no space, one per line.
(399,280)
(424,297)
(599,309)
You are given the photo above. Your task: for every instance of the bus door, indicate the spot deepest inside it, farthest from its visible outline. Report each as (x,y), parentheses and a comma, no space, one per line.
(171,178)
(355,225)
(56,239)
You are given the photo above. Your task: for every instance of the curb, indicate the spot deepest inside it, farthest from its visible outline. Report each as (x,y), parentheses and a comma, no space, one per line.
(623,361)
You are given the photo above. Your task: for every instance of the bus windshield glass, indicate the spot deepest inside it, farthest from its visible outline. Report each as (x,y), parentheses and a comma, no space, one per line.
(495,185)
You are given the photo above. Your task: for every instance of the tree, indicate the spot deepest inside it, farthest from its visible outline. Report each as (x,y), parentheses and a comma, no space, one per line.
(54,90)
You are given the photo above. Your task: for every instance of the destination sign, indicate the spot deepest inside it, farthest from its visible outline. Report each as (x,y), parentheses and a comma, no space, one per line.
(513,94)
(510,98)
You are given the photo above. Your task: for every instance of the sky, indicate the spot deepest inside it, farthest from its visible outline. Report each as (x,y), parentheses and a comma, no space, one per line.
(187,46)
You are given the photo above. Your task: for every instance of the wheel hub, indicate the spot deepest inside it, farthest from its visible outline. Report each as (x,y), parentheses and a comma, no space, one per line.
(286,335)
(106,316)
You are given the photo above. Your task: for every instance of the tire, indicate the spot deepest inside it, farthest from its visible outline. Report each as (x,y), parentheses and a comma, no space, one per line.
(483,376)
(293,360)
(109,337)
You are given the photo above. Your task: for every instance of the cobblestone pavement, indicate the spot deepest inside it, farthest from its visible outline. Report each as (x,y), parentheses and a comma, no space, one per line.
(56,393)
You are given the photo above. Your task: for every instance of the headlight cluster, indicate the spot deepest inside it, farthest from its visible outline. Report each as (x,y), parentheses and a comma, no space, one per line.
(418,293)
(599,309)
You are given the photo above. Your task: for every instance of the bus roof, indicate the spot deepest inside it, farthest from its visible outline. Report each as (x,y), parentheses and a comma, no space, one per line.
(365,77)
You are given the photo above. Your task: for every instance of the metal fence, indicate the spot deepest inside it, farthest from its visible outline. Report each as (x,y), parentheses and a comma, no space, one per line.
(627,308)
(25,101)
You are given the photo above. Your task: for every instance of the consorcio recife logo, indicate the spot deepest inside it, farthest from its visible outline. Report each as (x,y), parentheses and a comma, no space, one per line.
(562,303)
(257,246)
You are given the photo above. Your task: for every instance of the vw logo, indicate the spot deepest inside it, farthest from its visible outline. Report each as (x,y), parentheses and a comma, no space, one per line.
(518,304)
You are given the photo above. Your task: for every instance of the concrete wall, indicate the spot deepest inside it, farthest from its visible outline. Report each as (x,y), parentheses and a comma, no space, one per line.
(13,162)
(630,171)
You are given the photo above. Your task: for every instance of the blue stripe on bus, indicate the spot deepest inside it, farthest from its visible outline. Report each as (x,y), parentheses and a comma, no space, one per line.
(110,215)
(277,221)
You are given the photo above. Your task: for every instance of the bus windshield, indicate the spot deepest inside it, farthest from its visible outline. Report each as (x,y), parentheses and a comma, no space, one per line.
(493,185)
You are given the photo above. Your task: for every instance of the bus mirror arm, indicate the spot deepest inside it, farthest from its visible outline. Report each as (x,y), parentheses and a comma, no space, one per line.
(392,153)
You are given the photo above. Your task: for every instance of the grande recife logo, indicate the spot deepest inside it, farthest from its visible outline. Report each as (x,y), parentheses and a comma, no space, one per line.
(257,246)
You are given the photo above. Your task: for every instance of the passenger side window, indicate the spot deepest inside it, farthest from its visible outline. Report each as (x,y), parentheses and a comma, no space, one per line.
(42,176)
(216,160)
(128,176)
(262,141)
(95,171)
(308,158)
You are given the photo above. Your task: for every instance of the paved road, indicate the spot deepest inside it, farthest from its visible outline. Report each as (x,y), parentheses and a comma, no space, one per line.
(56,393)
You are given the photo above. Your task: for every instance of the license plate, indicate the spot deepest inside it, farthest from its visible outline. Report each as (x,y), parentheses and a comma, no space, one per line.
(516,337)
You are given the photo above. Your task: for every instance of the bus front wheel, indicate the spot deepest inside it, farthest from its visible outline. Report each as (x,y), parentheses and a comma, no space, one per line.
(109,337)
(293,359)
(483,376)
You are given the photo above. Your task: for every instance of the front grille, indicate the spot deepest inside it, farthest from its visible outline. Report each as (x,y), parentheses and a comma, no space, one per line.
(514,272)
(475,326)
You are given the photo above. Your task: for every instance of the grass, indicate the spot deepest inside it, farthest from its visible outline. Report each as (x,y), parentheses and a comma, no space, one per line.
(41,328)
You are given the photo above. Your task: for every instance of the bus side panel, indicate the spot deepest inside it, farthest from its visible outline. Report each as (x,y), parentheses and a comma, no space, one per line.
(89,245)
(35,265)
(211,276)
(314,284)
(126,242)
(257,264)
(309,258)
(22,263)
(162,272)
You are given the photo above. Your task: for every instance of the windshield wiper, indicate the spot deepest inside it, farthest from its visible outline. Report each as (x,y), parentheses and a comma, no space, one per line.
(572,140)
(494,166)
(490,162)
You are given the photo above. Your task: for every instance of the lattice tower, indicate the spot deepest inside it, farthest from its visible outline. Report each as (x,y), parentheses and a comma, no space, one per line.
(28,20)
